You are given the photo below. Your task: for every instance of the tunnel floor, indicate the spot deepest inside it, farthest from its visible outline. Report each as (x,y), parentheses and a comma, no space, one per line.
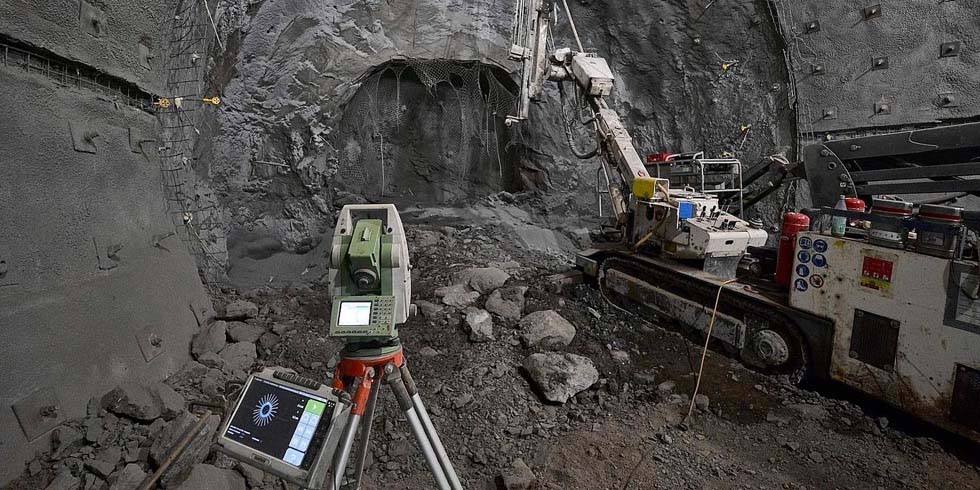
(752,431)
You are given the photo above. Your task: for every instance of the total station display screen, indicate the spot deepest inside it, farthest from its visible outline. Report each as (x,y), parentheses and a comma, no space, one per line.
(281,422)
(354,314)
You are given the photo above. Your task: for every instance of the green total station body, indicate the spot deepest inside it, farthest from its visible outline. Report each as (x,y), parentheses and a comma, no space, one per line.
(370,282)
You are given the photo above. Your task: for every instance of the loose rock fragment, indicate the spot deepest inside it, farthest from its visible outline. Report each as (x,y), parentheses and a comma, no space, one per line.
(240,310)
(507,303)
(518,477)
(482,279)
(560,376)
(547,330)
(480,325)
(210,339)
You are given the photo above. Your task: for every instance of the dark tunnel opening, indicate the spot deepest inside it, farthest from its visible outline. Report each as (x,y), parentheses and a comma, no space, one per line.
(429,131)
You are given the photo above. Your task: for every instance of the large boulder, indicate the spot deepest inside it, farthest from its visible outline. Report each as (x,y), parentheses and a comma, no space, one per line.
(507,303)
(559,377)
(546,329)
(210,339)
(479,324)
(482,279)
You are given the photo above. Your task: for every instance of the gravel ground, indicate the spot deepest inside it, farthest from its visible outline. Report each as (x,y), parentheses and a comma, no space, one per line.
(749,430)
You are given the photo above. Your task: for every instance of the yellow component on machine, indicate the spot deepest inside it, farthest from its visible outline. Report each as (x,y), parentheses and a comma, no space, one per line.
(644,187)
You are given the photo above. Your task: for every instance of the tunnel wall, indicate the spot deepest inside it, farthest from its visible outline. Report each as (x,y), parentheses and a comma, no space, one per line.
(90,272)
(850,63)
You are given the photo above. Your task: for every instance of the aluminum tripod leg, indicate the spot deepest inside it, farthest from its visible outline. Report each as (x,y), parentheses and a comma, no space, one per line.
(394,378)
(343,455)
(430,430)
(365,435)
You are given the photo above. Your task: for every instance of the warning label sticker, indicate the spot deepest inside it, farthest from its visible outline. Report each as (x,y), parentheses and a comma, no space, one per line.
(877,273)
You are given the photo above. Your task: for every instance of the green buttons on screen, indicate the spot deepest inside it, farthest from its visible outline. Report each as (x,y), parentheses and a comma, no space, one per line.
(315,407)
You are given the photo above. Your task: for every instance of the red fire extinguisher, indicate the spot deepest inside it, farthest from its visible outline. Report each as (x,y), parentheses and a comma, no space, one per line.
(793,223)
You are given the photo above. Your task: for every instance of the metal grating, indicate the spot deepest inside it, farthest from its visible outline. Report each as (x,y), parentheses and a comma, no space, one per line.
(965,406)
(874,339)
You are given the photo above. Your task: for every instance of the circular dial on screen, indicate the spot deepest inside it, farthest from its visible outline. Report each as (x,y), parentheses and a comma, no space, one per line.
(265,410)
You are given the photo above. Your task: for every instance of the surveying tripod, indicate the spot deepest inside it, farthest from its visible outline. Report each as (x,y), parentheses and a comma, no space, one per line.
(364,370)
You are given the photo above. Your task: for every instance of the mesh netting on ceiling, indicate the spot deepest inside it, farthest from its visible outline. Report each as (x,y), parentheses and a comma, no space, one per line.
(437,123)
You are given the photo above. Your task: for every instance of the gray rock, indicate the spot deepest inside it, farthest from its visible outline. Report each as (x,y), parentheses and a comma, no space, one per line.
(560,376)
(253,476)
(666,388)
(479,323)
(457,295)
(240,310)
(238,357)
(64,481)
(428,352)
(809,411)
(268,340)
(127,478)
(211,338)
(429,310)
(619,356)
(507,303)
(546,329)
(244,332)
(207,477)
(518,477)
(195,453)
(702,402)
(93,429)
(482,279)
(171,402)
(282,328)
(64,440)
(211,360)
(143,402)
(101,468)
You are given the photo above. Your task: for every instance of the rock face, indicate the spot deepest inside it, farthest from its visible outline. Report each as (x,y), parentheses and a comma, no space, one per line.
(507,303)
(546,330)
(560,376)
(479,323)
(482,279)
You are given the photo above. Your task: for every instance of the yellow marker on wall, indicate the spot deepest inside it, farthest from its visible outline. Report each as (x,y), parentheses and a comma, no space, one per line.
(212,100)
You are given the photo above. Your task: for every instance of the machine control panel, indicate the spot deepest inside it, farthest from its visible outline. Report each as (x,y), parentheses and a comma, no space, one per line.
(363,316)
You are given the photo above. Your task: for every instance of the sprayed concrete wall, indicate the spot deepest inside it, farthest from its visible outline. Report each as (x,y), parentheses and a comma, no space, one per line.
(868,66)
(94,287)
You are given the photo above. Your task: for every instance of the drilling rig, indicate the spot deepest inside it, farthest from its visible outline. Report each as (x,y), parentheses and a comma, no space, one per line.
(885,301)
